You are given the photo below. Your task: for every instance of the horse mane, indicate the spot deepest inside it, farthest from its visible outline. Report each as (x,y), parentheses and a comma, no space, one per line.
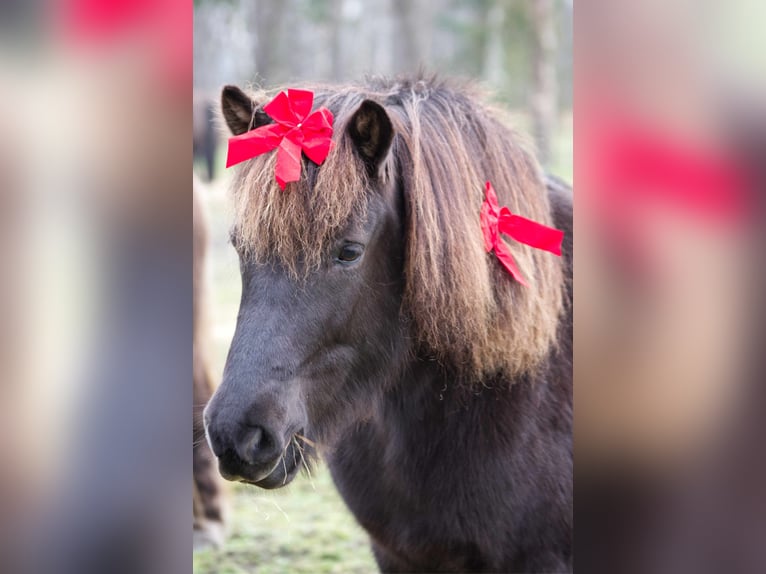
(465,310)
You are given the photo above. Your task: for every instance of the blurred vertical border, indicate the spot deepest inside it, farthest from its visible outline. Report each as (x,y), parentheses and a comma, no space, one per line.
(670,469)
(95,290)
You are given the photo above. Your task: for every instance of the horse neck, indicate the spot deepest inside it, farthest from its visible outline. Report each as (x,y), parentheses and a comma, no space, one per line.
(428,397)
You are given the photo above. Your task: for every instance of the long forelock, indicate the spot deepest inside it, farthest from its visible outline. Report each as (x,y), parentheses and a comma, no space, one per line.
(297,227)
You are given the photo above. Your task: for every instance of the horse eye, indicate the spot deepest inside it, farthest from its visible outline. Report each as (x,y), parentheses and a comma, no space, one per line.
(350,252)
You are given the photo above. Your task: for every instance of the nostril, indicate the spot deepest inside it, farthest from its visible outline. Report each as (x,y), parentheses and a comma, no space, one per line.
(253,442)
(256,446)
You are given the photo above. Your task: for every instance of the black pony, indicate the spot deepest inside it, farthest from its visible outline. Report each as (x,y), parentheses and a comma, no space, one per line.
(374,326)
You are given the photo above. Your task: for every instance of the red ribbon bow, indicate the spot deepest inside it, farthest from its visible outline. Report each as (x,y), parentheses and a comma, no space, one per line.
(295,131)
(496,220)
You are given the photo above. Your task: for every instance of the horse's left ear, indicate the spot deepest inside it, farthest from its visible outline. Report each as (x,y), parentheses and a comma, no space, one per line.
(371,131)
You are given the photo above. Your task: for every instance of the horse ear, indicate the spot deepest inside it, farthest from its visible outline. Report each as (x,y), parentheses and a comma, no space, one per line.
(237,108)
(372,133)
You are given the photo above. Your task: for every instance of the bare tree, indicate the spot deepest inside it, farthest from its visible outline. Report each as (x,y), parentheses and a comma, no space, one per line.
(413,37)
(336,40)
(492,67)
(543,104)
(267,18)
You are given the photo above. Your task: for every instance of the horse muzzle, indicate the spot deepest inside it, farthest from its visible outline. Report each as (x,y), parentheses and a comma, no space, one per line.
(254,454)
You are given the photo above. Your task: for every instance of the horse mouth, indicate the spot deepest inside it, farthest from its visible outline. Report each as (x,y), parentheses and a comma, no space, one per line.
(275,474)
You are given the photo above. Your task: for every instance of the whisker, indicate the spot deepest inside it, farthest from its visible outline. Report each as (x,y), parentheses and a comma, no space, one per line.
(306,440)
(198,442)
(273,502)
(305,465)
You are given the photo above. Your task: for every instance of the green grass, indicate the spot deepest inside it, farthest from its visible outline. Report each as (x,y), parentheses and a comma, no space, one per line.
(302,528)
(299,529)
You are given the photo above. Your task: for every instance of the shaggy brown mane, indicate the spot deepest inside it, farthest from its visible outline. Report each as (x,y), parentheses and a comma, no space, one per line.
(465,309)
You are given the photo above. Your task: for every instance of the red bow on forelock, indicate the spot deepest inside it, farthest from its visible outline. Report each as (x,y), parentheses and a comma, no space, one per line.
(295,131)
(496,220)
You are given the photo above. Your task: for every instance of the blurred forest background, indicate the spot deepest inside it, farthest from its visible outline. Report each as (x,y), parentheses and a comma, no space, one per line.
(521,50)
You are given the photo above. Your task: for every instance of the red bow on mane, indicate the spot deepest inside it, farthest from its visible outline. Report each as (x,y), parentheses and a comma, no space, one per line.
(496,220)
(295,131)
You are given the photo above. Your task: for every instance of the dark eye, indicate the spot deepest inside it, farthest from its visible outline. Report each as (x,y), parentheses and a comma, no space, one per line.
(349,253)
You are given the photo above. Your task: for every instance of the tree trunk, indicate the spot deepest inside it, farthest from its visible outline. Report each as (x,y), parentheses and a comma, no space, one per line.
(543,102)
(413,34)
(492,65)
(336,40)
(268,17)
